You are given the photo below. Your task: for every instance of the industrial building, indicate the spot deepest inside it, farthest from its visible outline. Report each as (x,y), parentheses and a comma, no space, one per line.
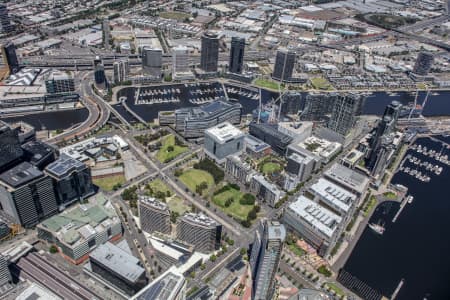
(81,228)
(265,258)
(72,180)
(319,226)
(154,215)
(223,140)
(192,122)
(200,231)
(118,267)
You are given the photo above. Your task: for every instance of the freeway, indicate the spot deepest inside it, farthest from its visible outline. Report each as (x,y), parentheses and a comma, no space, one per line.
(98,114)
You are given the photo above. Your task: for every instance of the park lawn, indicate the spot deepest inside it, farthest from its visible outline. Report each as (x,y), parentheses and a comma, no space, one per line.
(271,167)
(236,209)
(335,288)
(163,155)
(390,195)
(269,84)
(107,183)
(174,15)
(320,83)
(158,185)
(177,204)
(193,177)
(370,206)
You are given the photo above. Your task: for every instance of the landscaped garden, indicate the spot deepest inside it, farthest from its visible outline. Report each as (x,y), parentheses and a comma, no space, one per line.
(268,84)
(233,202)
(170,149)
(197,180)
(321,83)
(270,165)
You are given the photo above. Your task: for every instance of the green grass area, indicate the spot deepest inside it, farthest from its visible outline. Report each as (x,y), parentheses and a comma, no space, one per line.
(271,167)
(336,289)
(296,249)
(108,183)
(237,210)
(370,206)
(177,204)
(390,195)
(321,83)
(324,271)
(268,84)
(169,149)
(158,185)
(174,15)
(193,177)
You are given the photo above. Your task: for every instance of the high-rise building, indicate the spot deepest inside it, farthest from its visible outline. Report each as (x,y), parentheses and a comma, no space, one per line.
(266,191)
(284,65)
(10,57)
(223,140)
(11,152)
(292,103)
(59,82)
(5,21)
(317,106)
(236,55)
(346,108)
(265,258)
(106,33)
(200,231)
(154,215)
(5,274)
(423,64)
(27,194)
(180,57)
(39,154)
(99,71)
(121,70)
(210,52)
(152,61)
(72,180)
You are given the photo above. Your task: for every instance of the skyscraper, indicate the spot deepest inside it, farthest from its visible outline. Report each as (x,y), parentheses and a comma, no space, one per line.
(346,108)
(10,151)
(154,215)
(10,57)
(152,61)
(265,258)
(210,52)
(99,71)
(5,22)
(317,106)
(236,55)
(180,62)
(106,33)
(423,63)
(284,65)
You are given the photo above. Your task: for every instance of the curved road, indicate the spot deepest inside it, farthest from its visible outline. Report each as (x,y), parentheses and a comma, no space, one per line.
(98,113)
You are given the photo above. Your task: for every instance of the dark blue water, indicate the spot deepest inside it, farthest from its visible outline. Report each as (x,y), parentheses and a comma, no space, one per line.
(416,247)
(54,120)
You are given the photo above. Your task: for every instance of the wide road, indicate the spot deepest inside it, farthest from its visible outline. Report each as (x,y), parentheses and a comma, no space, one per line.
(98,113)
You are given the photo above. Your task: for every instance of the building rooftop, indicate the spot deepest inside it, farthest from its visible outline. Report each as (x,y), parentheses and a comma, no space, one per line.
(208,110)
(334,194)
(37,151)
(255,144)
(20,175)
(83,221)
(316,216)
(153,202)
(200,219)
(309,294)
(224,132)
(273,131)
(166,287)
(276,231)
(268,185)
(118,260)
(318,146)
(347,177)
(64,165)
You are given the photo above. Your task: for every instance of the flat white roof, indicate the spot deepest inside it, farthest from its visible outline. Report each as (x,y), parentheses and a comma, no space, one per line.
(316,216)
(334,194)
(166,249)
(347,177)
(224,132)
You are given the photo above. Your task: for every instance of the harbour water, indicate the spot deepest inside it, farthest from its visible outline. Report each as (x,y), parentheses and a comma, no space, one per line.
(416,247)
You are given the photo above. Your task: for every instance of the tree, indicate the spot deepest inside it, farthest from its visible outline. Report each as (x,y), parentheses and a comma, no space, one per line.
(173,216)
(247,199)
(213,258)
(170,148)
(53,249)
